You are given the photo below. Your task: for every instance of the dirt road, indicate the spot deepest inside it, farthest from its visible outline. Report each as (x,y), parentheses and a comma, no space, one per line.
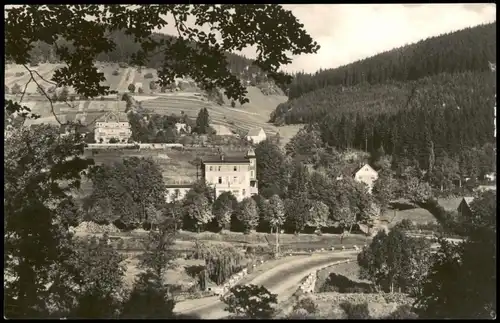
(280,276)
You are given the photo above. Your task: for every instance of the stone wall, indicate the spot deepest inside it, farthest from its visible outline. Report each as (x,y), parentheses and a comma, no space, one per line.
(358,298)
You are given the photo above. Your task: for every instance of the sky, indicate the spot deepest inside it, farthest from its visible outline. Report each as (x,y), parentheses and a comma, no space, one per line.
(347,33)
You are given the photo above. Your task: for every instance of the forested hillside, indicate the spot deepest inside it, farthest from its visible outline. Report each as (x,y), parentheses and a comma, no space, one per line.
(465,50)
(451,111)
(126,46)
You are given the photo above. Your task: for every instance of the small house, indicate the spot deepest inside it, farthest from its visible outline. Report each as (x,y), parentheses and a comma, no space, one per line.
(256,135)
(464,209)
(366,174)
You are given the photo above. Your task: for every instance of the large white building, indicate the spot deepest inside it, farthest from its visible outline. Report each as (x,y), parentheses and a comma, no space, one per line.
(225,174)
(112,125)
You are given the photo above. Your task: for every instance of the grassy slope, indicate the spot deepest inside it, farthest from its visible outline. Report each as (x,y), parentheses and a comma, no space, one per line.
(253,114)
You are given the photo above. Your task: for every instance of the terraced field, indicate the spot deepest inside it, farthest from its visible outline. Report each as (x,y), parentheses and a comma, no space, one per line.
(253,114)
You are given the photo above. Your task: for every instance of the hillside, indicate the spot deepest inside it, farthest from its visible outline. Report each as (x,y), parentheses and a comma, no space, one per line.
(126,47)
(445,113)
(465,50)
(188,99)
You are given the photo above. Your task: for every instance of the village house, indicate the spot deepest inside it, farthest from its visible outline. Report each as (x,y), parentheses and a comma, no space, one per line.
(256,135)
(464,209)
(366,174)
(237,175)
(176,192)
(182,128)
(112,124)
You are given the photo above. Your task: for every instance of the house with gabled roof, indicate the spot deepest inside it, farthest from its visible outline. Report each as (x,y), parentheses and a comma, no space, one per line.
(256,135)
(464,209)
(366,174)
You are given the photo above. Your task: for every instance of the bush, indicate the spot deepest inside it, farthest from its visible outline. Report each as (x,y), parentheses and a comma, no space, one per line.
(140,90)
(403,312)
(115,73)
(148,75)
(356,311)
(251,301)
(306,304)
(123,65)
(131,88)
(405,225)
(16,89)
(342,284)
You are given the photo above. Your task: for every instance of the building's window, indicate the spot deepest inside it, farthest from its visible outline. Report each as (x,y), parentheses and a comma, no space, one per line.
(220,180)
(236,192)
(235,179)
(235,168)
(211,168)
(252,184)
(219,168)
(251,162)
(251,173)
(243,192)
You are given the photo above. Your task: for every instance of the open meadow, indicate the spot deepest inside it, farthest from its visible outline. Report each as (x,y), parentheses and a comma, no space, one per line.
(253,114)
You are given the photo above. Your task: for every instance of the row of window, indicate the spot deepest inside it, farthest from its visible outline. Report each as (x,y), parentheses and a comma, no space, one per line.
(223,168)
(236,179)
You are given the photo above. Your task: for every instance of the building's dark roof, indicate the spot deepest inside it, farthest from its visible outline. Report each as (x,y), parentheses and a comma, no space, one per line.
(226,160)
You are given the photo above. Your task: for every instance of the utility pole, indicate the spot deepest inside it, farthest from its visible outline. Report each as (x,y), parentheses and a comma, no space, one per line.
(277,241)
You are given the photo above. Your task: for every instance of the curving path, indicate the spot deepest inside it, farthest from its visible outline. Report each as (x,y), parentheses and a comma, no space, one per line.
(281,276)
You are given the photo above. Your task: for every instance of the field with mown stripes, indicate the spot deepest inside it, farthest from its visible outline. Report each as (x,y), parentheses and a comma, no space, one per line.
(253,114)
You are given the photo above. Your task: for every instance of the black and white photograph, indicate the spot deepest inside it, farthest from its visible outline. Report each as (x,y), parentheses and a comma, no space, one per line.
(250,161)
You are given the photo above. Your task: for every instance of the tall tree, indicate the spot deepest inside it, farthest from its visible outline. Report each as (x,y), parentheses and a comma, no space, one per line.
(271,169)
(198,211)
(395,260)
(223,209)
(202,122)
(277,214)
(299,181)
(248,214)
(319,213)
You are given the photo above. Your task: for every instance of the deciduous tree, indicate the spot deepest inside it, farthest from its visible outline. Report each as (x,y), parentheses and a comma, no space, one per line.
(395,260)
(271,169)
(198,211)
(223,209)
(251,301)
(277,214)
(318,215)
(247,214)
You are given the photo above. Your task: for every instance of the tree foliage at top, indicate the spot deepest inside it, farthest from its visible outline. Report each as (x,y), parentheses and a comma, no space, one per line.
(466,50)
(194,52)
